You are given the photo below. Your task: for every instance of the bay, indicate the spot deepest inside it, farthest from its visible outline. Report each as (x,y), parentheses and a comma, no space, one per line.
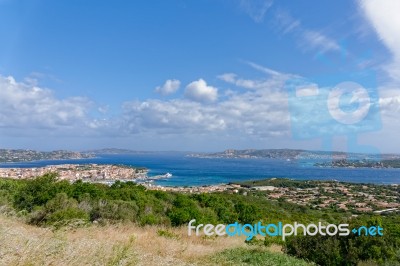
(190,171)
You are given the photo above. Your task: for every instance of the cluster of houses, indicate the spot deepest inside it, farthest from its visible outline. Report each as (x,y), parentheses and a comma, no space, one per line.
(73,172)
(348,197)
(343,196)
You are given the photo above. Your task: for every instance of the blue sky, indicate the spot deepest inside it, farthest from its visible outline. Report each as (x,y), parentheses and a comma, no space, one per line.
(194,75)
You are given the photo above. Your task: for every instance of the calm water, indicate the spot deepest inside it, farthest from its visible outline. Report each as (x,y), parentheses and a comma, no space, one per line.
(195,171)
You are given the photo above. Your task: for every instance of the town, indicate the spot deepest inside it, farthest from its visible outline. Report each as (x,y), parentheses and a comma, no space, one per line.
(341,196)
(73,172)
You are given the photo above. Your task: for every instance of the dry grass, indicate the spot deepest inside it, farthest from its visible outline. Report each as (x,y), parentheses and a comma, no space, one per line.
(123,244)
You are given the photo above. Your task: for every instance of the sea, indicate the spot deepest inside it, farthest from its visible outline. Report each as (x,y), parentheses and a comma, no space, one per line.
(192,171)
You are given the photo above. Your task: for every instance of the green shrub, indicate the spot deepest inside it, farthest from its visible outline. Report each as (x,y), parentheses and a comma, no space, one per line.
(248,213)
(60,209)
(36,192)
(115,210)
(67,214)
(254,256)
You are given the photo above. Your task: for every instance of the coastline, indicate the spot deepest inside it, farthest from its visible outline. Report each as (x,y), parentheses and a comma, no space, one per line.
(318,194)
(196,172)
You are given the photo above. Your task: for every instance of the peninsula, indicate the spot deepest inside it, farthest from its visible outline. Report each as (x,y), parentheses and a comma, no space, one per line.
(74,172)
(13,155)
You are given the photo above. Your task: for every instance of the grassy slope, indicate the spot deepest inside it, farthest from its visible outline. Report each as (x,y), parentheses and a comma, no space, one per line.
(22,244)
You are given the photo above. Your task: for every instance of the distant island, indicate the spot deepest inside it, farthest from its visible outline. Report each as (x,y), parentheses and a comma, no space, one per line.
(323,158)
(292,154)
(116,151)
(361,163)
(330,159)
(11,155)
(27,155)
(271,153)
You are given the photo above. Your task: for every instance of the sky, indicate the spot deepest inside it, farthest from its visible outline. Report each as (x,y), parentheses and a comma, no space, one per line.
(203,75)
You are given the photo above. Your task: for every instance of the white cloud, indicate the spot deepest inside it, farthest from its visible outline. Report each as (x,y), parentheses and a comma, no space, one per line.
(389,102)
(173,117)
(228,77)
(275,79)
(285,22)
(256,9)
(309,39)
(264,69)
(254,84)
(34,111)
(259,114)
(244,83)
(27,105)
(385,20)
(170,86)
(199,91)
(318,40)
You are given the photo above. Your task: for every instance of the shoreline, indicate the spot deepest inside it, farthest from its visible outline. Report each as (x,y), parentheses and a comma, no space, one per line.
(318,194)
(145,178)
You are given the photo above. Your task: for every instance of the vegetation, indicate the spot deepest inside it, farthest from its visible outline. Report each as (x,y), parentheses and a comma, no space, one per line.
(350,250)
(47,202)
(280,182)
(257,256)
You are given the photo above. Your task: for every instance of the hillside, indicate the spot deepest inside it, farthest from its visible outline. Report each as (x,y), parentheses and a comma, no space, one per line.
(10,155)
(126,244)
(124,224)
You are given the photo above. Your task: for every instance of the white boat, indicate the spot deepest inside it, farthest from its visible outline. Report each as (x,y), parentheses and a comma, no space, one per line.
(167,175)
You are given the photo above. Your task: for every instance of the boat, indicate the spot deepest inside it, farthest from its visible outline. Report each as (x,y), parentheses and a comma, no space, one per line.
(167,175)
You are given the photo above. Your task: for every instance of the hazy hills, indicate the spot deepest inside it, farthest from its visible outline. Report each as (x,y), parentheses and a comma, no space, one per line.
(292,154)
(21,155)
(11,155)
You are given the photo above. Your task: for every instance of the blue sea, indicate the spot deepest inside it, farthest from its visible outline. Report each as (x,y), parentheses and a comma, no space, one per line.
(189,171)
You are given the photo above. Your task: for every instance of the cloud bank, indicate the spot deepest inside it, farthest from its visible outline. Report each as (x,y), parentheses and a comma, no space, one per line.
(257,109)
(385,20)
(25,105)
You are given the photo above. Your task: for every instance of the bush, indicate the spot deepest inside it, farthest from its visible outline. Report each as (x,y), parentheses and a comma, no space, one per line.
(66,215)
(247,213)
(115,210)
(59,209)
(36,192)
(184,209)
